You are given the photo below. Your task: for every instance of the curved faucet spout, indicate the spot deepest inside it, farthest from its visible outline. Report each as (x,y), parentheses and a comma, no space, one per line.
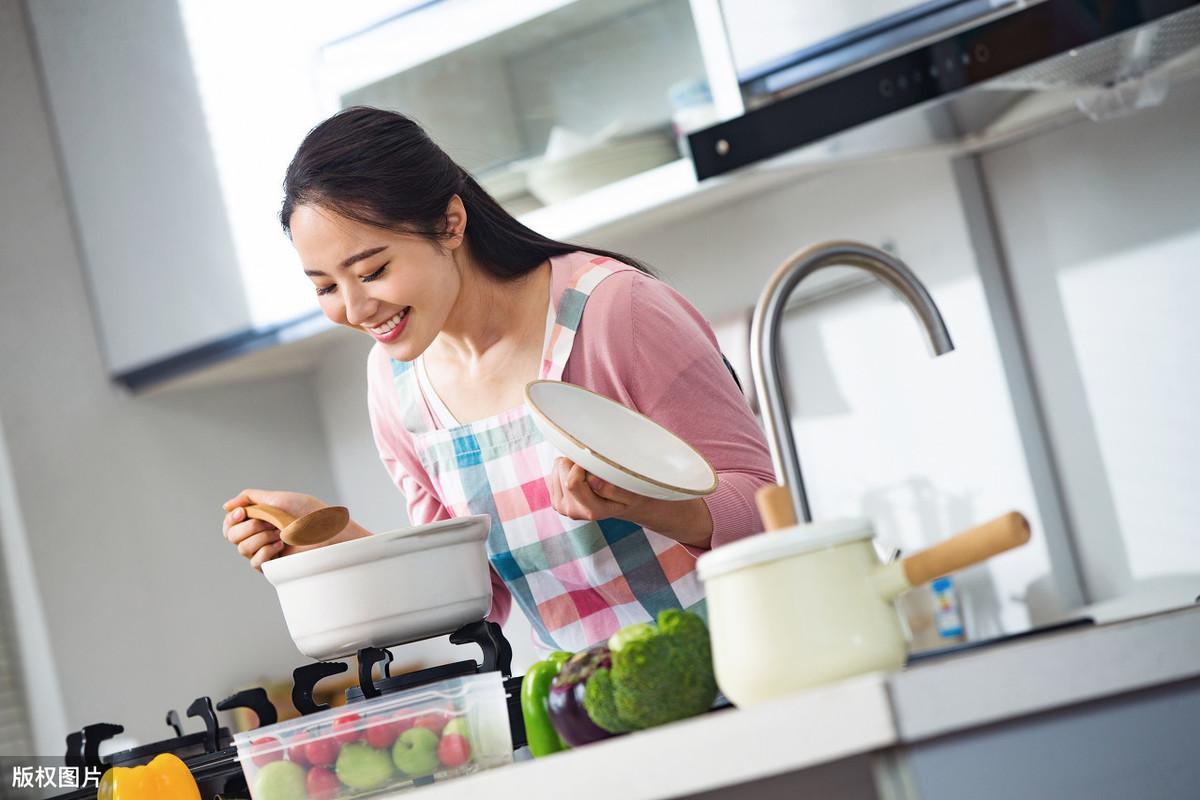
(764,340)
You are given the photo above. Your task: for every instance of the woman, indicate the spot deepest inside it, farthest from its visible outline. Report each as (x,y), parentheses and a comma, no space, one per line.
(466,306)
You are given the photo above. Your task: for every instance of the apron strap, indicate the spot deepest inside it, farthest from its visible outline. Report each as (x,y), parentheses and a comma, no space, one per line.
(569,313)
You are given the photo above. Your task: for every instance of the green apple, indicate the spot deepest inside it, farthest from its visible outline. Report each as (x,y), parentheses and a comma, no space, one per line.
(415,752)
(279,780)
(460,726)
(361,766)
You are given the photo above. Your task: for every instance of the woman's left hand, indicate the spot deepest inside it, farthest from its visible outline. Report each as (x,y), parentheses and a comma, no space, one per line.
(576,494)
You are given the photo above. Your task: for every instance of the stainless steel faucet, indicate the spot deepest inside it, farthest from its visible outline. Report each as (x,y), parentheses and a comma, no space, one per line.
(764,338)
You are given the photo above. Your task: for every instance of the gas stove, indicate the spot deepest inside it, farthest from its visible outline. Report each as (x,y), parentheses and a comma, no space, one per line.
(211,755)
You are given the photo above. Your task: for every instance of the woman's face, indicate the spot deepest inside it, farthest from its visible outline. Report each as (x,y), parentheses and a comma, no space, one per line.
(398,288)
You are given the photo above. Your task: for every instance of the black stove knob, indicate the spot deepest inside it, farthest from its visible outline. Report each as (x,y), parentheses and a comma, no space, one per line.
(368,657)
(254,699)
(202,707)
(74,757)
(93,736)
(304,682)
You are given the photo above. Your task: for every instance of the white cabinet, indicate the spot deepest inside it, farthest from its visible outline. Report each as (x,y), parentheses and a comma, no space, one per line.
(765,31)
(185,260)
(545,101)
(139,172)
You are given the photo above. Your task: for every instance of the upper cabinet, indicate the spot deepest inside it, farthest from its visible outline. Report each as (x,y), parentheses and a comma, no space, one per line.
(548,101)
(172,153)
(147,204)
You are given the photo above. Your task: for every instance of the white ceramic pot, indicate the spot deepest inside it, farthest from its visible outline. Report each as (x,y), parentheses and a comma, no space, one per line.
(385,589)
(806,605)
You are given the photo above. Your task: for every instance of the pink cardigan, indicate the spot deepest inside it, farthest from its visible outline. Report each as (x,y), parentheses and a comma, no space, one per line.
(642,344)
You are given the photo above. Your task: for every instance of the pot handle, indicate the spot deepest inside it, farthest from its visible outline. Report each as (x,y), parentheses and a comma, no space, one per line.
(775,507)
(969,547)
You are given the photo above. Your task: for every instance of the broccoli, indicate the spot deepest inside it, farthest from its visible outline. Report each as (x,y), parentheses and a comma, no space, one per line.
(659,674)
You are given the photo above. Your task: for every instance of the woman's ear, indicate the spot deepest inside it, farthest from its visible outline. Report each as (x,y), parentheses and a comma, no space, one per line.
(455,223)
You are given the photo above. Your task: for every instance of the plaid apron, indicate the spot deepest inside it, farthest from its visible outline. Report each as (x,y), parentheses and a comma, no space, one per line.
(577,581)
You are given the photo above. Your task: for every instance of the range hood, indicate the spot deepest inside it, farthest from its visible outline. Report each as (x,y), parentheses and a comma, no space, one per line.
(966,74)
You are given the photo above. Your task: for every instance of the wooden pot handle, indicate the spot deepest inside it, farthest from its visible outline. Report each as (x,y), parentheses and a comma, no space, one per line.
(969,547)
(276,516)
(775,506)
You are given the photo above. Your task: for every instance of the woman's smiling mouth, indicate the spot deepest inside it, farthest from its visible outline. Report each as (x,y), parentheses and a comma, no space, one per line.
(389,331)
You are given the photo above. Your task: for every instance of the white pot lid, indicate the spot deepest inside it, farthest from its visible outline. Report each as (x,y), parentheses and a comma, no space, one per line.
(783,543)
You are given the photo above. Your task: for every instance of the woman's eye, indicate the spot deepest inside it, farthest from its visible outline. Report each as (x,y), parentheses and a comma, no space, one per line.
(374,275)
(322,290)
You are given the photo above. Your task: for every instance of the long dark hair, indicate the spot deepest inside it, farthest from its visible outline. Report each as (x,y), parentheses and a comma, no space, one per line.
(380,168)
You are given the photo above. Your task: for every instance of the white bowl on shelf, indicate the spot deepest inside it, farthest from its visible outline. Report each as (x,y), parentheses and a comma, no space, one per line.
(556,180)
(617,444)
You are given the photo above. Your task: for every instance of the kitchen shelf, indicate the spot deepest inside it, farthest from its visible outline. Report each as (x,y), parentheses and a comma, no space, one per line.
(591,84)
(292,348)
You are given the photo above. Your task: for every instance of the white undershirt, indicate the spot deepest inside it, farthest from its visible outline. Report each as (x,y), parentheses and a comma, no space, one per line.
(441,413)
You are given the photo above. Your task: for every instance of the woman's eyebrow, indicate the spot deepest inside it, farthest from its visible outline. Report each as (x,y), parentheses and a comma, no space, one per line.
(316,273)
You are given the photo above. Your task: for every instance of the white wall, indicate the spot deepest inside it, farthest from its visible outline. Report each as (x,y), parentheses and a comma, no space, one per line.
(1101,227)
(32,662)
(119,497)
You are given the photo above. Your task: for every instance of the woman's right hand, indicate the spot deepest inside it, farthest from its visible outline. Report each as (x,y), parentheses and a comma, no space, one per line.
(257,539)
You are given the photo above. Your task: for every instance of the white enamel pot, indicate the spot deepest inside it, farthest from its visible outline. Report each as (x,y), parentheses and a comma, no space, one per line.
(809,604)
(385,589)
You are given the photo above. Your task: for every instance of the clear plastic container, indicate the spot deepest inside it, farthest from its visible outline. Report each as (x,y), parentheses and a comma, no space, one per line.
(430,733)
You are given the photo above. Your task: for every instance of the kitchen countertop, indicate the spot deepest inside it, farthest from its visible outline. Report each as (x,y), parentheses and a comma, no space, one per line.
(939,697)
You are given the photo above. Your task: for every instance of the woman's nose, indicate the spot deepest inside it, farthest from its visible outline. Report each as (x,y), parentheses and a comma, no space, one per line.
(360,307)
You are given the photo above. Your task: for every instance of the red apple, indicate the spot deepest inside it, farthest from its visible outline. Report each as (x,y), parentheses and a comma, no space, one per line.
(265,743)
(321,752)
(381,735)
(297,745)
(321,784)
(345,728)
(454,750)
(433,720)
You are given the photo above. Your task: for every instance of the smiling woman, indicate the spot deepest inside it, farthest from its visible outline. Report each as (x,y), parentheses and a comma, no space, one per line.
(466,306)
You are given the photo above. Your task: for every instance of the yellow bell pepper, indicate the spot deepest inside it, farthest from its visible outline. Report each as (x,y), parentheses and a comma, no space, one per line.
(166,777)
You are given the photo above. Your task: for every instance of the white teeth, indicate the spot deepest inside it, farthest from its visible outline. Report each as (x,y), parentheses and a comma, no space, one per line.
(390,324)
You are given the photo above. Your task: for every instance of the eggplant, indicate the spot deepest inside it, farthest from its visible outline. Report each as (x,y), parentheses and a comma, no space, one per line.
(565,701)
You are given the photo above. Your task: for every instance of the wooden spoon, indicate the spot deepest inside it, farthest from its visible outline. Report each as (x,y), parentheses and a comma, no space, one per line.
(313,528)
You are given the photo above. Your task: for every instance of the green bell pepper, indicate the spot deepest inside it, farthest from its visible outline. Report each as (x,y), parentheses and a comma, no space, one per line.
(535,691)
